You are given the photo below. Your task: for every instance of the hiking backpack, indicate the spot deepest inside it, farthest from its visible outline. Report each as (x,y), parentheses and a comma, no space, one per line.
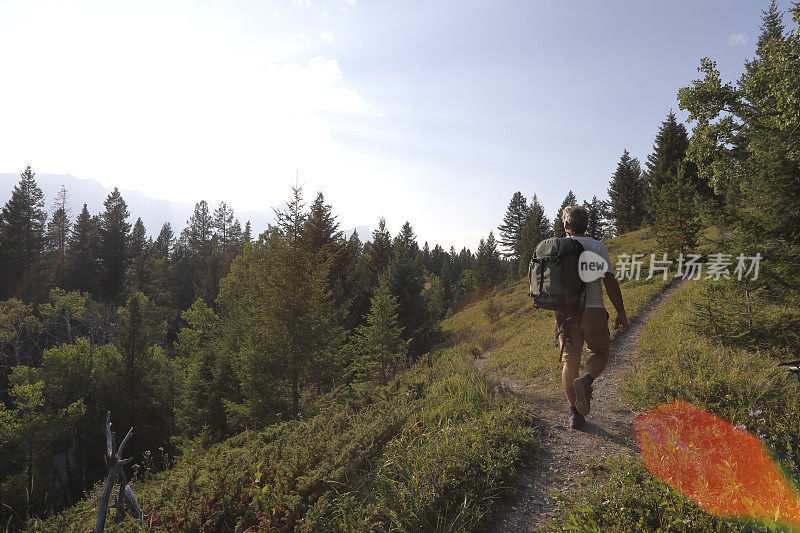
(553,275)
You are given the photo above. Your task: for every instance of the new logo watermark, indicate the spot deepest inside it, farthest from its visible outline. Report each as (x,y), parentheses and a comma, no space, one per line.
(591,266)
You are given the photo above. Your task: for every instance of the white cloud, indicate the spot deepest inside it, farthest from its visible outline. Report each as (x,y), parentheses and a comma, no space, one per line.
(326,36)
(351,2)
(738,39)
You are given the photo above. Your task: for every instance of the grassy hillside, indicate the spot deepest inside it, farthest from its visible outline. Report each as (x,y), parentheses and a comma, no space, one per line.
(523,338)
(430,451)
(433,450)
(714,345)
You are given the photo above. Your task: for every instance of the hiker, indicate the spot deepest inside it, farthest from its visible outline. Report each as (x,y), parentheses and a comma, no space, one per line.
(593,325)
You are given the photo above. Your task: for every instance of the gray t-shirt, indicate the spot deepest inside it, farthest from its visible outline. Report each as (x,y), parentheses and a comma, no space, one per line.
(594,289)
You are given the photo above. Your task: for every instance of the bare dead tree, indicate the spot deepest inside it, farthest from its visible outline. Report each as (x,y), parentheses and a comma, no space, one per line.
(116,469)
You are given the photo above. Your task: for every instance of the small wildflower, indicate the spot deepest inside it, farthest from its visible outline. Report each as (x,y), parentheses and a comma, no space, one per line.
(740,426)
(755,412)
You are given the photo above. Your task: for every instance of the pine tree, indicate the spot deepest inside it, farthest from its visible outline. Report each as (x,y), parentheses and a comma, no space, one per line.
(322,227)
(558,223)
(82,270)
(380,343)
(536,229)
(199,230)
(164,242)
(138,256)
(59,225)
(405,279)
(114,234)
(488,270)
(669,151)
(223,225)
(247,237)
(675,218)
(22,237)
(626,193)
(513,225)
(596,209)
(275,303)
(377,255)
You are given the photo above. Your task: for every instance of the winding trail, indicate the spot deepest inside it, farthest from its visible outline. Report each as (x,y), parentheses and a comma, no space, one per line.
(565,457)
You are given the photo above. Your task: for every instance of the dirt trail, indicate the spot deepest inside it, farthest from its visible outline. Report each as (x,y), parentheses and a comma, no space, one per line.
(566,454)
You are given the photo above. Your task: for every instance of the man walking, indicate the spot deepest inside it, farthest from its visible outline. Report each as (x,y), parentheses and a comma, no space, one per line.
(593,325)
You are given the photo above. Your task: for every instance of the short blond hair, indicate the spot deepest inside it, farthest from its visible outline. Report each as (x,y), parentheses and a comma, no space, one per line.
(576,218)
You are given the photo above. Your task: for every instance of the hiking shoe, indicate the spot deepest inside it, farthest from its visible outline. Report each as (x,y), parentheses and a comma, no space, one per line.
(576,421)
(583,393)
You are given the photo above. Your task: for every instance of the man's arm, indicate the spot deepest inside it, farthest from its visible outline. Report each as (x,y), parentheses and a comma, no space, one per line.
(615,295)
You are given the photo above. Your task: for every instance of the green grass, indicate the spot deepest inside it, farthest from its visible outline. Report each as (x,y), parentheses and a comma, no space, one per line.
(523,338)
(704,347)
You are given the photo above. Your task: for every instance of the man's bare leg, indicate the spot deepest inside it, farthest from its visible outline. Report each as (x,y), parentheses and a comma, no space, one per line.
(568,374)
(595,365)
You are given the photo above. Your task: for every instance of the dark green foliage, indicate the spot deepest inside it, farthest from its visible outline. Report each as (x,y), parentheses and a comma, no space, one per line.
(513,225)
(22,237)
(57,238)
(113,257)
(597,228)
(675,220)
(405,279)
(536,229)
(558,222)
(433,449)
(280,319)
(626,194)
(162,247)
(379,344)
(82,271)
(224,228)
(745,143)
(488,268)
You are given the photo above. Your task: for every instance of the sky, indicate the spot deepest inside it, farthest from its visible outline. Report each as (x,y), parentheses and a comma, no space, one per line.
(434,112)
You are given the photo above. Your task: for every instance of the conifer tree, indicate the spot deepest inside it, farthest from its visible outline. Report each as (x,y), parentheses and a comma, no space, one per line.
(247,236)
(22,236)
(59,226)
(83,252)
(377,255)
(596,209)
(488,269)
(536,229)
(114,234)
(626,195)
(164,242)
(675,220)
(278,310)
(323,229)
(138,256)
(405,279)
(199,230)
(223,225)
(513,225)
(558,223)
(380,343)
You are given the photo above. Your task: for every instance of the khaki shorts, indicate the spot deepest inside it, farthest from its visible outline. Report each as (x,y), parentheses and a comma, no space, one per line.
(593,329)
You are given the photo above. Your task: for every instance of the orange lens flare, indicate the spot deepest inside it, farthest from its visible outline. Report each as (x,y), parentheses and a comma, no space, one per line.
(724,469)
